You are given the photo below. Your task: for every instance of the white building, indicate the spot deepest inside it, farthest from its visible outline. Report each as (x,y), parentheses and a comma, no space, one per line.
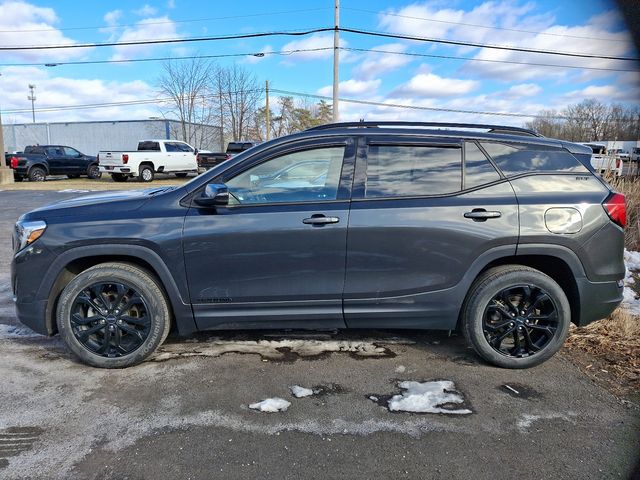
(92,137)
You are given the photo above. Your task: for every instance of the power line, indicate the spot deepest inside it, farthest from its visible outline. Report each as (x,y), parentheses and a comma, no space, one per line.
(238,36)
(194,20)
(472,59)
(485,26)
(415,107)
(482,45)
(320,30)
(157,59)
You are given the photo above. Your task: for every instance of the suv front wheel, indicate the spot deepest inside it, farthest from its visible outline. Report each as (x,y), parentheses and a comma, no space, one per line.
(515,316)
(113,315)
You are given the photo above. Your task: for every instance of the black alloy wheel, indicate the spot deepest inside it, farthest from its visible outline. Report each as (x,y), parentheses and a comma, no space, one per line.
(110,319)
(520,321)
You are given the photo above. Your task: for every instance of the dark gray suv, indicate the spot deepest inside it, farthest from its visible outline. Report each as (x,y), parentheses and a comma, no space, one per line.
(493,230)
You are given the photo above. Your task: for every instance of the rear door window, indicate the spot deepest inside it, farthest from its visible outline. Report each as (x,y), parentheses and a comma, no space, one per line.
(478,170)
(514,159)
(413,170)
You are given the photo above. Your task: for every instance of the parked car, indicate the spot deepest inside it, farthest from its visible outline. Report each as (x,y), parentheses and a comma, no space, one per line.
(604,161)
(234,148)
(503,234)
(36,162)
(621,154)
(152,156)
(635,154)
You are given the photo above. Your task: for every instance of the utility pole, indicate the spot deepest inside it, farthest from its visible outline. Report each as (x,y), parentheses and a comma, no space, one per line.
(221,112)
(336,61)
(32,97)
(267,112)
(6,174)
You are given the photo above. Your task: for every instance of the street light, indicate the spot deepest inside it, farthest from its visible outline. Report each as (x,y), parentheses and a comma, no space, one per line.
(32,97)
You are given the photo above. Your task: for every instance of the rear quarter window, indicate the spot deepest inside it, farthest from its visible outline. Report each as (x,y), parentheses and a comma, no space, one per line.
(149,146)
(517,159)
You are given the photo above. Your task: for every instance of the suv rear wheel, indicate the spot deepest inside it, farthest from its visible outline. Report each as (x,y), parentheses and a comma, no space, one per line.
(515,316)
(113,315)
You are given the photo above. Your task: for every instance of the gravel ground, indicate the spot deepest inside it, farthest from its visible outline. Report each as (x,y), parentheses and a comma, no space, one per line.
(185,413)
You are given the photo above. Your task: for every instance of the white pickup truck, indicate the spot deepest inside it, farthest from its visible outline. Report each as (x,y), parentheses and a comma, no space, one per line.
(152,156)
(604,161)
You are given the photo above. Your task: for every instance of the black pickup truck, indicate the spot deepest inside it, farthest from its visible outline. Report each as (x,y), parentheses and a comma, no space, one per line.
(38,161)
(207,160)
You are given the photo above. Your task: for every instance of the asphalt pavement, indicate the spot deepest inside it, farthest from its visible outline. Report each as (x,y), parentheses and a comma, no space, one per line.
(185,414)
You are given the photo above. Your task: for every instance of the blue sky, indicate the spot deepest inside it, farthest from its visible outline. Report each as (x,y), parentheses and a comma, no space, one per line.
(587,26)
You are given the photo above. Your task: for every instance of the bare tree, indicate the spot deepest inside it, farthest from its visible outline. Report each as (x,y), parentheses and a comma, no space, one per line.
(239,95)
(189,86)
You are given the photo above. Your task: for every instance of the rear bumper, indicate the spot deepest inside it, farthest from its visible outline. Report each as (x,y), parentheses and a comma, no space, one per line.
(115,169)
(597,299)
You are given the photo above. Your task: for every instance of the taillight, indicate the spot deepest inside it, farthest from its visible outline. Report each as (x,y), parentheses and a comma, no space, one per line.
(125,158)
(198,159)
(98,159)
(616,209)
(14,162)
(228,157)
(618,162)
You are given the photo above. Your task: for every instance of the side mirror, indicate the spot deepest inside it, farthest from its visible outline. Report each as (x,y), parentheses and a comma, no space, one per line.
(195,152)
(214,194)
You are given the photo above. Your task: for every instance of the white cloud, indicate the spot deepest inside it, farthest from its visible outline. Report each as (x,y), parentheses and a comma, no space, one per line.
(431,85)
(171,4)
(375,64)
(522,90)
(146,11)
(111,18)
(605,93)
(353,87)
(54,91)
(36,27)
(147,29)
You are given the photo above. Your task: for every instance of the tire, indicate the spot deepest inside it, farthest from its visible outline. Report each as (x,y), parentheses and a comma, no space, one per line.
(92,302)
(145,174)
(37,174)
(93,172)
(515,302)
(119,177)
(181,175)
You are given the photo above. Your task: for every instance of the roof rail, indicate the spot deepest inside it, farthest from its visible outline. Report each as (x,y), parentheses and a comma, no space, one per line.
(479,126)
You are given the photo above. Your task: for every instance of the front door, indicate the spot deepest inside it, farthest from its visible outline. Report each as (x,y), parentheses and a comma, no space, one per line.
(277,252)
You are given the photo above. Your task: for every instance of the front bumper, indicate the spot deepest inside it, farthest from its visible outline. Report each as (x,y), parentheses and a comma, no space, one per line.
(33,315)
(597,299)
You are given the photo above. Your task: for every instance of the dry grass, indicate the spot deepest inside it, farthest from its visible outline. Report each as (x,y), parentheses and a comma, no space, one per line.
(630,187)
(614,345)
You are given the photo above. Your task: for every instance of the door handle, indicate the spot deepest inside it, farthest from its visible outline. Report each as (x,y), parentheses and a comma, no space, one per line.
(320,220)
(481,215)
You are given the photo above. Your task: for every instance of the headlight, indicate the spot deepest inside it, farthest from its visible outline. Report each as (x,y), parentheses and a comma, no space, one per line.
(28,232)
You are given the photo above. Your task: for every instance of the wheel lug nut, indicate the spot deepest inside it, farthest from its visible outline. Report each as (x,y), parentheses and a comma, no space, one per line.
(513,314)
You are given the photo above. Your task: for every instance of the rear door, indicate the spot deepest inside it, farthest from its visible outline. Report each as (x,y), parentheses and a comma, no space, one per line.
(420,217)
(57,161)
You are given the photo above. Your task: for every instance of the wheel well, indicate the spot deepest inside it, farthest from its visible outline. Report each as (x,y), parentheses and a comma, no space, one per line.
(149,164)
(78,266)
(554,267)
(40,165)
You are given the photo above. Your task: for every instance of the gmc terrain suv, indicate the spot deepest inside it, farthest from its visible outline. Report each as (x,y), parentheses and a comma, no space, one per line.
(493,230)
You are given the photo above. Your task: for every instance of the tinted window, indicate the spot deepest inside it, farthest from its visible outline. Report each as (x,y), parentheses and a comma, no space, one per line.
(306,176)
(405,170)
(172,147)
(515,159)
(149,146)
(71,152)
(478,170)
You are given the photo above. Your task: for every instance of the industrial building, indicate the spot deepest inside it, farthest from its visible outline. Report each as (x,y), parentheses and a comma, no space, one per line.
(92,137)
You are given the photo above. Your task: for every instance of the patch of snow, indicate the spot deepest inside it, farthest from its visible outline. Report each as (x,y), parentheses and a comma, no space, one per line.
(276,349)
(373,397)
(301,392)
(271,405)
(400,369)
(427,397)
(16,331)
(73,190)
(630,301)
